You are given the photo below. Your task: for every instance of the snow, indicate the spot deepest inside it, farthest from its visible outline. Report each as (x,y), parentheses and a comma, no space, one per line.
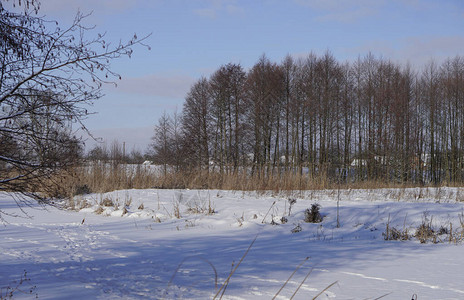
(149,253)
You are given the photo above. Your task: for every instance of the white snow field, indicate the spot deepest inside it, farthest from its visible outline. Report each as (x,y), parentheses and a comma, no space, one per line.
(149,253)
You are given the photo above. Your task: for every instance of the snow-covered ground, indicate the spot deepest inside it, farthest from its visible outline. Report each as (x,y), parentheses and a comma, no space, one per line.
(172,248)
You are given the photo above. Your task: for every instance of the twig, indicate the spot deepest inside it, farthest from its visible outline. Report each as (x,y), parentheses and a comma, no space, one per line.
(273,203)
(382,296)
(328,287)
(297,268)
(301,284)
(226,282)
(225,288)
(180,265)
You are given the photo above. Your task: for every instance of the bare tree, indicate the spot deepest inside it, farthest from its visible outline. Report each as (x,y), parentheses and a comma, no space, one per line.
(453,93)
(321,114)
(162,142)
(221,112)
(304,110)
(226,87)
(99,153)
(288,67)
(263,102)
(48,76)
(197,125)
(430,95)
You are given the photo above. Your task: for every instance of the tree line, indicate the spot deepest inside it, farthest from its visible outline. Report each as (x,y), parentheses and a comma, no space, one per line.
(371,119)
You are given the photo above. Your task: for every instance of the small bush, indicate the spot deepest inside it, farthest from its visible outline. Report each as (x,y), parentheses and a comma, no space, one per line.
(99,210)
(128,202)
(425,232)
(291,202)
(393,234)
(82,190)
(443,230)
(199,205)
(176,208)
(273,222)
(124,211)
(70,204)
(84,204)
(297,229)
(107,202)
(313,215)
(18,286)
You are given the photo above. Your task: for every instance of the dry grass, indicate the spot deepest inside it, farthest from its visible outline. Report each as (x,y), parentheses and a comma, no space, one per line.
(426,232)
(105,177)
(220,292)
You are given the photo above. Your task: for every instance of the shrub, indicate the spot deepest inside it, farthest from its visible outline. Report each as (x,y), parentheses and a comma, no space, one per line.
(82,190)
(107,202)
(313,215)
(291,202)
(124,211)
(297,229)
(424,232)
(393,234)
(18,286)
(99,210)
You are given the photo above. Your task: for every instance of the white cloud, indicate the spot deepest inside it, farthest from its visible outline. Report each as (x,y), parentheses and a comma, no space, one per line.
(175,86)
(337,5)
(216,7)
(344,11)
(102,6)
(64,11)
(234,9)
(206,12)
(422,49)
(134,138)
(417,50)
(351,10)
(348,16)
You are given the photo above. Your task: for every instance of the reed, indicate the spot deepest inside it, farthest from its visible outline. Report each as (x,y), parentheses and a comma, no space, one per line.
(100,177)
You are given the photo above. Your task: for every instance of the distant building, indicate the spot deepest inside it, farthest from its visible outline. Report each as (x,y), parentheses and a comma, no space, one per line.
(359,162)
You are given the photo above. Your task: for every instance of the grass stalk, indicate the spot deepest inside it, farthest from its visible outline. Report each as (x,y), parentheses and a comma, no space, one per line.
(272,205)
(297,268)
(226,282)
(328,287)
(182,263)
(301,284)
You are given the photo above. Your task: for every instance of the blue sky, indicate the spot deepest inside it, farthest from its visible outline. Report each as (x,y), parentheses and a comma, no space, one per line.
(192,38)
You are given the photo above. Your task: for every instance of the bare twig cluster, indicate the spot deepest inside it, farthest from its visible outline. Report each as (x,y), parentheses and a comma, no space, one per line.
(48,76)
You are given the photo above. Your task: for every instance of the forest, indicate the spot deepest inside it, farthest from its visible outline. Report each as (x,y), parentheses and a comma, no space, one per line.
(324,120)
